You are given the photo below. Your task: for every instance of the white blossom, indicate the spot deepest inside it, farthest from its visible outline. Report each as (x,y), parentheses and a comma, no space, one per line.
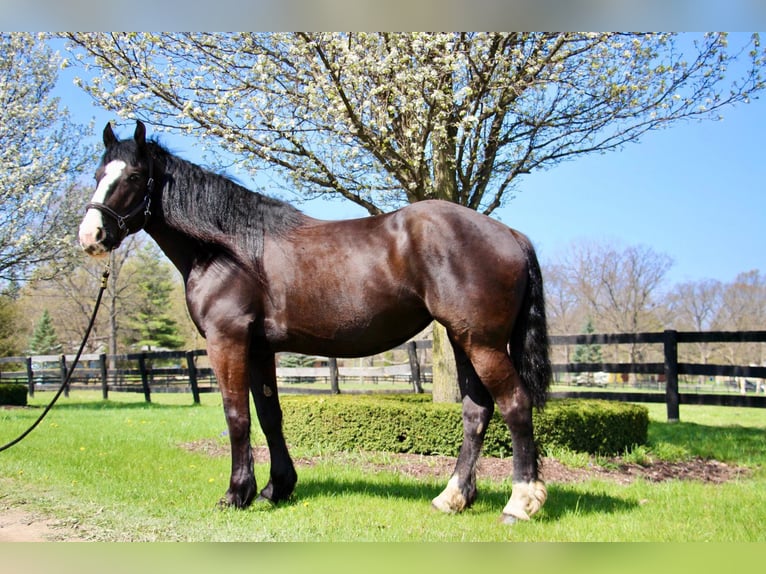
(41,155)
(452,115)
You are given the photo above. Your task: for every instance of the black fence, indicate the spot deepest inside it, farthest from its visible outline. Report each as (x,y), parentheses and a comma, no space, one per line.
(187,371)
(667,373)
(163,371)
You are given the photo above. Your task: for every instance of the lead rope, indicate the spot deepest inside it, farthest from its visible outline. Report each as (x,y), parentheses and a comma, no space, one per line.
(104,279)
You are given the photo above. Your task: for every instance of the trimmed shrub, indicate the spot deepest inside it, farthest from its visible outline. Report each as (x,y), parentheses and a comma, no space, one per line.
(13,395)
(416,425)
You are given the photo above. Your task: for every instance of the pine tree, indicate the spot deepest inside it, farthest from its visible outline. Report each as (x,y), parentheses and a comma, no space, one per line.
(151,326)
(44,340)
(587,354)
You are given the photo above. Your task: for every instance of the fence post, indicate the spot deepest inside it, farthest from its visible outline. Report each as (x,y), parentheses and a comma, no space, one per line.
(192,376)
(63,375)
(30,376)
(412,353)
(333,364)
(104,376)
(670,344)
(144,377)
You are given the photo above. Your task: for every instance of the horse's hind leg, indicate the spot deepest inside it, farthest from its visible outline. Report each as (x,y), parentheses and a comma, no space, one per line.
(477,411)
(497,372)
(263,385)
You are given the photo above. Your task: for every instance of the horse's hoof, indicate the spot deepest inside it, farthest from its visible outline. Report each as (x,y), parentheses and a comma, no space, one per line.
(508,519)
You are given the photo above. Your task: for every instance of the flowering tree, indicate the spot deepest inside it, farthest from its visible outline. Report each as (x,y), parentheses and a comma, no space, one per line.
(40,157)
(387,119)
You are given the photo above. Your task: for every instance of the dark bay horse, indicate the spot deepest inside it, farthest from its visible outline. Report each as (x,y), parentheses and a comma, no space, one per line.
(261,277)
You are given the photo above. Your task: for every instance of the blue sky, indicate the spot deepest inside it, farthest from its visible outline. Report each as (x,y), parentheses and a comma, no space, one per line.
(695,191)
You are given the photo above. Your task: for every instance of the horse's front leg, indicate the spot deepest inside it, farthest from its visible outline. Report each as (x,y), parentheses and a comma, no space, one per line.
(228,358)
(263,384)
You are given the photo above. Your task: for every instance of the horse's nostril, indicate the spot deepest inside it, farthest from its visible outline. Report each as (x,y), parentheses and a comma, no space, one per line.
(100,234)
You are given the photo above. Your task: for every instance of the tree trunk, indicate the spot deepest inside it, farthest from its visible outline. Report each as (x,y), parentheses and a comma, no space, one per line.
(445,387)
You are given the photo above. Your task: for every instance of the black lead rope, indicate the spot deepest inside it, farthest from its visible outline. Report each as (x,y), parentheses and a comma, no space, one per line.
(104,279)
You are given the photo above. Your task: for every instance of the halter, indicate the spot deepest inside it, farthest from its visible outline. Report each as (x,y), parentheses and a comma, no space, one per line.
(123,220)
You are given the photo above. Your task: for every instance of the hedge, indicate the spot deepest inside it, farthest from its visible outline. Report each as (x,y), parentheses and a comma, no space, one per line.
(411,423)
(13,394)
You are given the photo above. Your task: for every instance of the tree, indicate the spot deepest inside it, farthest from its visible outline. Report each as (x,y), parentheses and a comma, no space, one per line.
(388,119)
(743,307)
(588,353)
(621,286)
(150,323)
(44,340)
(564,310)
(9,340)
(70,295)
(41,154)
(694,305)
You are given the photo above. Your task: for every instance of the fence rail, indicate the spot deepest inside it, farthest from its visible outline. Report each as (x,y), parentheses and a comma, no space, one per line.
(179,370)
(669,369)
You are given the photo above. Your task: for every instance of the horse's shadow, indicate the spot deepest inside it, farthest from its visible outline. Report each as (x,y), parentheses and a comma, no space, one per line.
(562,499)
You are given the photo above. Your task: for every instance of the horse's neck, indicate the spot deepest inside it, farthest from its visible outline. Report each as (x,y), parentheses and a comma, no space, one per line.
(177,247)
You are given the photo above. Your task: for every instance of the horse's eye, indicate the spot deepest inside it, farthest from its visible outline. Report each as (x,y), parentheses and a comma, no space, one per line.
(133,177)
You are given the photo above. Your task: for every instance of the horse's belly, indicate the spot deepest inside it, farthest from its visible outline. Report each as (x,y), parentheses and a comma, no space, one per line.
(343,334)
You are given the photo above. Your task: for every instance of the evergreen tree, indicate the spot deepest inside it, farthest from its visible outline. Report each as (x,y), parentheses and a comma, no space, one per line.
(44,340)
(587,353)
(151,325)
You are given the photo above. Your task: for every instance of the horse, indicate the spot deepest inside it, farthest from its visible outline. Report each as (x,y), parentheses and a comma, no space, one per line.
(261,277)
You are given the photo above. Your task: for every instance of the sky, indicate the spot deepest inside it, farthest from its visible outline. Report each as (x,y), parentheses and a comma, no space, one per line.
(695,191)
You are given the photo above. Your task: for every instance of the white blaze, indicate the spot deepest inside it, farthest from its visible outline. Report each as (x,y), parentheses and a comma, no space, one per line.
(93,222)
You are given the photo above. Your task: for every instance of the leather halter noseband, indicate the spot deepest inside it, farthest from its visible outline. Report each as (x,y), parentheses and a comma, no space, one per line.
(123,220)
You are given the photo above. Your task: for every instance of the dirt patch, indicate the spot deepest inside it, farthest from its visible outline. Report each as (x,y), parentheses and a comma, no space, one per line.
(17,524)
(553,471)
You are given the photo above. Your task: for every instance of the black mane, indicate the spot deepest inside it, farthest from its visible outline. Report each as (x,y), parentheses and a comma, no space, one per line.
(216,210)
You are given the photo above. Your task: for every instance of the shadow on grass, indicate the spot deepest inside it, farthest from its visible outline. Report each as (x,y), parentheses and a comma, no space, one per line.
(565,500)
(312,487)
(562,500)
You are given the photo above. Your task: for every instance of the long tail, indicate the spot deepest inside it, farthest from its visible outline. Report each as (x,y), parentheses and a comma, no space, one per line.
(529,341)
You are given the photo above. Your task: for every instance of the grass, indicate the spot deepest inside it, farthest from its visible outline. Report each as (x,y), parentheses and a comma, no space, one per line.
(117,470)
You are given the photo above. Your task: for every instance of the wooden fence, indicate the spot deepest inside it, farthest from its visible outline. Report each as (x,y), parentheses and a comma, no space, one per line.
(669,370)
(186,371)
(181,371)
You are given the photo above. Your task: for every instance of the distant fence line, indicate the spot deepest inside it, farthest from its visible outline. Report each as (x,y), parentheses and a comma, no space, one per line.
(140,372)
(178,371)
(669,369)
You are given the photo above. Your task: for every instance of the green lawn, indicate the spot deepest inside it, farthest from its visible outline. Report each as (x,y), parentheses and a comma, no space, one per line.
(117,470)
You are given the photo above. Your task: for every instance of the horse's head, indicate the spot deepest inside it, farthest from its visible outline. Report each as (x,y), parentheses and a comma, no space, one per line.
(124,185)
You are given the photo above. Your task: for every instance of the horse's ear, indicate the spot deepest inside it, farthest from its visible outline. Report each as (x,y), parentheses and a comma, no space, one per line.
(140,135)
(109,138)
